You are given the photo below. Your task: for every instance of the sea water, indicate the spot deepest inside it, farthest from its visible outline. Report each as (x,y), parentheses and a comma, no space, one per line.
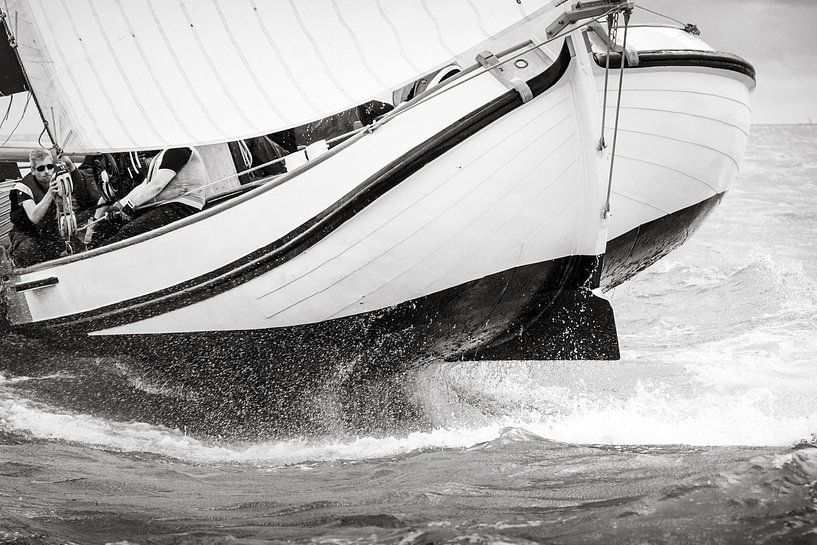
(703,432)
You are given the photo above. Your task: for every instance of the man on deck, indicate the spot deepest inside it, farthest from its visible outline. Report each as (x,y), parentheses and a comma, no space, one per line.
(172,190)
(35,236)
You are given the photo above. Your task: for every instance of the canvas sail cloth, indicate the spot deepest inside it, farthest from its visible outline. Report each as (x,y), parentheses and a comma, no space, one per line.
(21,129)
(120,75)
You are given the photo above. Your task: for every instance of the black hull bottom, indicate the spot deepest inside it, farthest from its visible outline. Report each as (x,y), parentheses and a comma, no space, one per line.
(277,381)
(470,320)
(634,251)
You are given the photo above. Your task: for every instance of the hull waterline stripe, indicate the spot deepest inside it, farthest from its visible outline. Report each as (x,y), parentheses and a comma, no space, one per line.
(637,249)
(313,231)
(479,314)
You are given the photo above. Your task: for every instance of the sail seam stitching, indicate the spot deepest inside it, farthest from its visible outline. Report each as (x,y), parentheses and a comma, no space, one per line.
(123,73)
(317,52)
(249,68)
(281,59)
(152,72)
(213,71)
(73,81)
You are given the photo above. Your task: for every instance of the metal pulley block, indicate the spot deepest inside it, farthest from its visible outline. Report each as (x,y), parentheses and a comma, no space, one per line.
(108,190)
(67,225)
(65,185)
(71,221)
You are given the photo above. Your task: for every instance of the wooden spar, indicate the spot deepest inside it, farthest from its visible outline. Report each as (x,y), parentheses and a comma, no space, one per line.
(587,10)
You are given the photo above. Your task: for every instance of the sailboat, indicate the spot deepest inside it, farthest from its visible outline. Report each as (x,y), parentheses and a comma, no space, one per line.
(538,151)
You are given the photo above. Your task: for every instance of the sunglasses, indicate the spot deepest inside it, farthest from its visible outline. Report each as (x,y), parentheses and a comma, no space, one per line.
(49,166)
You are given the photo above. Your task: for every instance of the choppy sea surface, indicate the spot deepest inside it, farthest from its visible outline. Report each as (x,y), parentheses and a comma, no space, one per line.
(703,432)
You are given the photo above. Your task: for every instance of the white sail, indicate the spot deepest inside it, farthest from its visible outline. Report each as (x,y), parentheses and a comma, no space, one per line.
(21,128)
(124,74)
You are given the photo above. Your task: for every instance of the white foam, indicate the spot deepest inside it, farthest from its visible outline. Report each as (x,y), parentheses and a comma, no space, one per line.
(165,389)
(572,402)
(609,402)
(44,422)
(16,380)
(657,415)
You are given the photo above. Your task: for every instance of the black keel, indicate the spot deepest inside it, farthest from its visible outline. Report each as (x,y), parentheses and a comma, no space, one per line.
(577,325)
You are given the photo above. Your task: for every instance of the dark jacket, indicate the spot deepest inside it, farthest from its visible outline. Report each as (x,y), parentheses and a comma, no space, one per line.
(26,189)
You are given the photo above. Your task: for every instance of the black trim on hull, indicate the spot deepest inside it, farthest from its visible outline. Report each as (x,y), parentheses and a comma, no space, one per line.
(634,251)
(672,57)
(34,284)
(314,230)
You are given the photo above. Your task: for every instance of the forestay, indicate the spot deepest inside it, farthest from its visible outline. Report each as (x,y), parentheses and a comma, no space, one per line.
(121,75)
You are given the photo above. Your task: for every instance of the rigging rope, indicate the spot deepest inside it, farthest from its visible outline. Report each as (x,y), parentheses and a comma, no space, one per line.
(623,63)
(8,111)
(612,30)
(246,156)
(66,219)
(661,15)
(25,109)
(40,140)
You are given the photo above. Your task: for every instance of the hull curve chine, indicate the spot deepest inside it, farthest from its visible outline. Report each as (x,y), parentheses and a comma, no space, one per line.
(632,252)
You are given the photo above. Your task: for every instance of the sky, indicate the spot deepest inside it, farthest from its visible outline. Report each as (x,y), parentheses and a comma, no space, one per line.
(778,37)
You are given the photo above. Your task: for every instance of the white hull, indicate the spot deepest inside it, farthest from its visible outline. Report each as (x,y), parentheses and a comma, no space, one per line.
(526,189)
(682,133)
(676,147)
(471,203)
(511,196)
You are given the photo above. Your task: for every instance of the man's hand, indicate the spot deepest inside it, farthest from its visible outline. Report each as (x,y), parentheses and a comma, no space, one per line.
(89,235)
(121,210)
(68,162)
(52,187)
